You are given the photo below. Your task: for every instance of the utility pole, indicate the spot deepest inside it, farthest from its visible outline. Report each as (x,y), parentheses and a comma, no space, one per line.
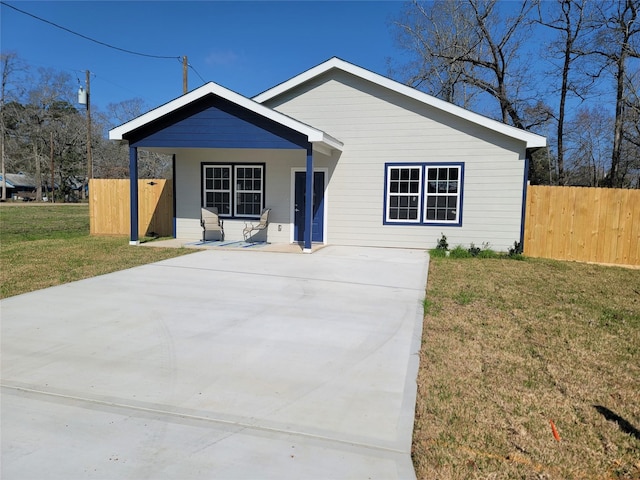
(89,157)
(53,188)
(84,98)
(185,64)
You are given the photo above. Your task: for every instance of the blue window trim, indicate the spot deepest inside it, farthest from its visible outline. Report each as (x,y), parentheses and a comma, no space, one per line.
(233,166)
(423,166)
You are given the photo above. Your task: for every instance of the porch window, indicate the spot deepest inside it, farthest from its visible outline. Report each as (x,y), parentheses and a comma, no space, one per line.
(236,190)
(217,188)
(423,194)
(248,191)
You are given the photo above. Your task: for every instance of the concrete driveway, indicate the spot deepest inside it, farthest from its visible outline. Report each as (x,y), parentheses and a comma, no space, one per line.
(219,364)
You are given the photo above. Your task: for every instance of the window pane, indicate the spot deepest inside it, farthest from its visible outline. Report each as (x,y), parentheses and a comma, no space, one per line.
(395,174)
(404,174)
(442,195)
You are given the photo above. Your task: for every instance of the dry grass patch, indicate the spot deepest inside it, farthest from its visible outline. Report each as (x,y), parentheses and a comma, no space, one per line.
(509,346)
(47,245)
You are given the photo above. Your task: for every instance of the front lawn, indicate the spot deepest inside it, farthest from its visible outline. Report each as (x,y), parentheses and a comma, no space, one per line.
(46,245)
(511,346)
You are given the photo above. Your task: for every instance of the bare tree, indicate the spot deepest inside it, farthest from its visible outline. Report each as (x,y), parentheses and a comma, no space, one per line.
(11,67)
(630,155)
(436,37)
(568,19)
(471,44)
(589,146)
(618,41)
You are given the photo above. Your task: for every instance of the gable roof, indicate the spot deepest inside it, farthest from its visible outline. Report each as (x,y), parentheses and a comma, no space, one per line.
(314,136)
(531,139)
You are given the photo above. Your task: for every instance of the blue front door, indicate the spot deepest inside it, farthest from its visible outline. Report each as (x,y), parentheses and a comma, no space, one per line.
(318,207)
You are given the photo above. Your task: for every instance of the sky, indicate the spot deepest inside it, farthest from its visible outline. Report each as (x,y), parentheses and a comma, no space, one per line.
(245,46)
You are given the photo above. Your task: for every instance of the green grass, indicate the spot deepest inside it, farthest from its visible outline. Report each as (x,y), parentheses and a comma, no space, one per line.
(47,245)
(509,346)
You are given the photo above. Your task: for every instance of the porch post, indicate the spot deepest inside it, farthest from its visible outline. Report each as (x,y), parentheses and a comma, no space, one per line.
(308,213)
(133,189)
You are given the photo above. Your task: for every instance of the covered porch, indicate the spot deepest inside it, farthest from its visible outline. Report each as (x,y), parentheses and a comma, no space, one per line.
(239,156)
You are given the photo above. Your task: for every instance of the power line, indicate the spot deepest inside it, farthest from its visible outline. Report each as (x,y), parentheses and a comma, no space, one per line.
(88,38)
(196,72)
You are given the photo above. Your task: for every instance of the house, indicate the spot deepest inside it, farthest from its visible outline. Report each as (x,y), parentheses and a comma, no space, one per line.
(20,186)
(342,156)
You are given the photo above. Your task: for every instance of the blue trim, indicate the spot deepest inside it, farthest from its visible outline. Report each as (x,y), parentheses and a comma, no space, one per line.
(133,189)
(308,219)
(173,181)
(524,198)
(214,122)
(423,166)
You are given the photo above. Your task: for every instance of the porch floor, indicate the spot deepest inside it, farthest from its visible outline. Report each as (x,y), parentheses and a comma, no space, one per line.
(257,247)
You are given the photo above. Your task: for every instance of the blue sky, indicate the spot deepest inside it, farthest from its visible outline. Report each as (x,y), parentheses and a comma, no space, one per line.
(245,46)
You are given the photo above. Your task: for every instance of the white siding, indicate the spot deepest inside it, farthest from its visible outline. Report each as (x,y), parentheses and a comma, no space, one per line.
(378,126)
(278,168)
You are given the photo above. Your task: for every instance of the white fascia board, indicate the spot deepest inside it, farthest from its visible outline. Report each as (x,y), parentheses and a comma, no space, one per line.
(531,139)
(313,134)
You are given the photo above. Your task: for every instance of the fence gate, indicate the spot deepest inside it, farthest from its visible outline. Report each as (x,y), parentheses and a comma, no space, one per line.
(109,207)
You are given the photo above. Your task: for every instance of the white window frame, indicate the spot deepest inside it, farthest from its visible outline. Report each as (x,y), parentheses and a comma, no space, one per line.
(400,194)
(213,190)
(238,190)
(233,189)
(442,194)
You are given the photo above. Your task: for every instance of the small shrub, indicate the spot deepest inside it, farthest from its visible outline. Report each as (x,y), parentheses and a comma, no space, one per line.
(516,249)
(442,243)
(473,250)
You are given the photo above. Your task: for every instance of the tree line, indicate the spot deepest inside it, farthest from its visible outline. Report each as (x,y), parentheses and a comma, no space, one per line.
(44,132)
(566,69)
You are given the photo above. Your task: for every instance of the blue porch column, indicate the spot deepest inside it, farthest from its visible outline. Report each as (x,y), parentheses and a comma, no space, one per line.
(308,213)
(133,188)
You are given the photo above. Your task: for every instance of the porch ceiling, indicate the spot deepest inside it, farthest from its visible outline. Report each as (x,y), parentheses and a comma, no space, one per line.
(215,117)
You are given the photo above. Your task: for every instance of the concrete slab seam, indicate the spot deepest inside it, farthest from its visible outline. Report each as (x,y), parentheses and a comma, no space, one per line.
(240,425)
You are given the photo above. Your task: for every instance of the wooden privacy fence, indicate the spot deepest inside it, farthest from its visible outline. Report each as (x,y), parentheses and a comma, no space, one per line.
(600,225)
(109,207)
